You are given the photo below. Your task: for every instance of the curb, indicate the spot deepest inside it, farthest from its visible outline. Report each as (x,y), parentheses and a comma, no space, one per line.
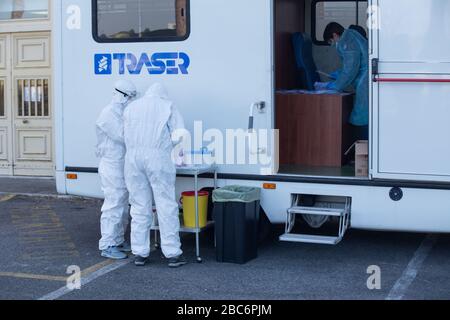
(45,195)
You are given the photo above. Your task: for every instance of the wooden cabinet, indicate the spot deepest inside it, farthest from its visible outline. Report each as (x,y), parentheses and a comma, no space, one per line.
(314,129)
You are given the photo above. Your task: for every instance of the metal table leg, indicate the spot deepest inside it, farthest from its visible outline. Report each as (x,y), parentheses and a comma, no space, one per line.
(215,187)
(215,179)
(197,233)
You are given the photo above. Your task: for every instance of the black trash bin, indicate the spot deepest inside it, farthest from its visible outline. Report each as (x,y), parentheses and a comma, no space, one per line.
(236,217)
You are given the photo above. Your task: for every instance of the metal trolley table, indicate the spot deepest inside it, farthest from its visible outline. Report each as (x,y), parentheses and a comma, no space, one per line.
(194,171)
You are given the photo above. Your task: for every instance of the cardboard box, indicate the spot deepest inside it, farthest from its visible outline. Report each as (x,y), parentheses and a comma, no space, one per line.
(361,157)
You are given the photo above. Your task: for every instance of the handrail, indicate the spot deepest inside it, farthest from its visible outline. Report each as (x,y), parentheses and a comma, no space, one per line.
(412,80)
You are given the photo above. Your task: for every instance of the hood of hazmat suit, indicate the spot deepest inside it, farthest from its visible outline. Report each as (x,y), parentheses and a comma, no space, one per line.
(109,125)
(124,91)
(354,53)
(150,121)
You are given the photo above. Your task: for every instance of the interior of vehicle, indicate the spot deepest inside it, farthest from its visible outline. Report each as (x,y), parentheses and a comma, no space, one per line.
(315,136)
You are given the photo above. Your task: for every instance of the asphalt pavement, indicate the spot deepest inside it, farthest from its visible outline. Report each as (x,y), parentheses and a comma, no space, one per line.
(44,236)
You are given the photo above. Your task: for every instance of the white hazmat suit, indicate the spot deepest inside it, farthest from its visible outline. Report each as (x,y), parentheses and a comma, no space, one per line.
(111,151)
(149,169)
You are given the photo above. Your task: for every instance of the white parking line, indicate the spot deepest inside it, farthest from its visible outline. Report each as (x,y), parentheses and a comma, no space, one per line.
(85,280)
(400,288)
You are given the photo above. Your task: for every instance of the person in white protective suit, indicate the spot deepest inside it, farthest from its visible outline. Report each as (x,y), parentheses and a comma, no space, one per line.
(111,151)
(150,123)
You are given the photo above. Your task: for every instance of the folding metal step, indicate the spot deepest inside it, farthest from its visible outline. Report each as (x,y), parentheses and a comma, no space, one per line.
(340,209)
(307,238)
(334,212)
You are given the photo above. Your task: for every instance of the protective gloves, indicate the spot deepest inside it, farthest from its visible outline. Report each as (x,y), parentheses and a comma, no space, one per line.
(321,85)
(335,75)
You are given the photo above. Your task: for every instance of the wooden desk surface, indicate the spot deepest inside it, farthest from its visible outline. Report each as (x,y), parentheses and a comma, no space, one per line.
(314,129)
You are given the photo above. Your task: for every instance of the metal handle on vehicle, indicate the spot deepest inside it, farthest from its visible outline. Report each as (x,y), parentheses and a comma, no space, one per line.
(375,63)
(376,78)
(411,80)
(260,106)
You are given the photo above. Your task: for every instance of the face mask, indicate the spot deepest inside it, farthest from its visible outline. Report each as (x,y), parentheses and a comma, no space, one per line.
(334,41)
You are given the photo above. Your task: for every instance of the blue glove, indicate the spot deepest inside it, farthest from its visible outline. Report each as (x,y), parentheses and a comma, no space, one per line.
(335,75)
(321,85)
(330,86)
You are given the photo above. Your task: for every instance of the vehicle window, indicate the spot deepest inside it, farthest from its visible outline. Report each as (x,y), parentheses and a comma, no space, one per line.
(140,20)
(346,13)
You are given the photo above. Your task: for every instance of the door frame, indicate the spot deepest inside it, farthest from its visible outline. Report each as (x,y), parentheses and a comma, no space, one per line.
(40,71)
(6,122)
(373,23)
(11,74)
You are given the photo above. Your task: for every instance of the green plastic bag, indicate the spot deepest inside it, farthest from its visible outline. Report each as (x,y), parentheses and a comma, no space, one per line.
(236,194)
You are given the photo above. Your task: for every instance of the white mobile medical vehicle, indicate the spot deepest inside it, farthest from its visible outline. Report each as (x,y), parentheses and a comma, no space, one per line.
(219,57)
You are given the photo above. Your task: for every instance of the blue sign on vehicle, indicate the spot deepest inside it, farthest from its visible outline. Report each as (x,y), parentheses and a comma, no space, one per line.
(171,63)
(103,64)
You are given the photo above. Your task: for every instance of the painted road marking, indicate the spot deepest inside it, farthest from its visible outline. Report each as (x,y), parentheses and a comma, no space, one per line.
(401,286)
(42,234)
(31,276)
(84,273)
(7,197)
(87,279)
(96,267)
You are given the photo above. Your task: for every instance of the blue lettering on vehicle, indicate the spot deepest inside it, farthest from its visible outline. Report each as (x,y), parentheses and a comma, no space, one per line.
(171,63)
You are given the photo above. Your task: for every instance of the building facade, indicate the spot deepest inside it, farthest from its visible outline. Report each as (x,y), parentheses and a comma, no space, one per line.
(26,111)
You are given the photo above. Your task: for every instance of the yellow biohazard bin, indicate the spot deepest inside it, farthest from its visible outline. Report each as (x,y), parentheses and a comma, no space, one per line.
(188,202)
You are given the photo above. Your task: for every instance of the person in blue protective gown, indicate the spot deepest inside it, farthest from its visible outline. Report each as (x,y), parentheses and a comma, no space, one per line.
(353,50)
